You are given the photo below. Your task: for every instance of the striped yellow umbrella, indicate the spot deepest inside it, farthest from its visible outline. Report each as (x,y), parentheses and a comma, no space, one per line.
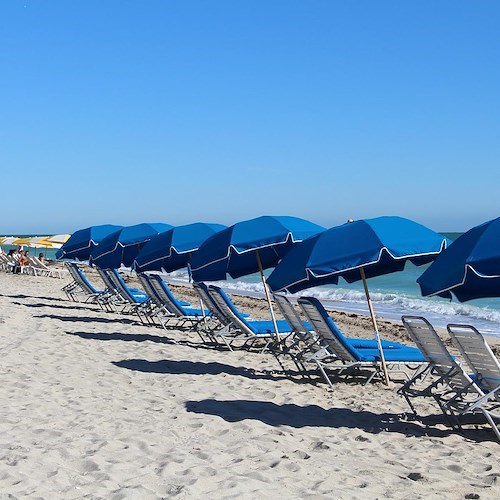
(22,241)
(7,240)
(41,241)
(58,239)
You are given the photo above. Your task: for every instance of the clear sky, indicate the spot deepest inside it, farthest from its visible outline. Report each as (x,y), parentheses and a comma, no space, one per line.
(121,111)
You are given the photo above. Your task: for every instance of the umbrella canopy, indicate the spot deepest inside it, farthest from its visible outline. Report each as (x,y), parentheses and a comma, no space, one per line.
(469,268)
(24,241)
(380,246)
(41,241)
(58,239)
(173,249)
(8,240)
(81,242)
(355,251)
(122,246)
(234,250)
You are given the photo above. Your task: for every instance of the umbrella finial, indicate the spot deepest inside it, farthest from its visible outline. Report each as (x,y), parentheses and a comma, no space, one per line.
(350,220)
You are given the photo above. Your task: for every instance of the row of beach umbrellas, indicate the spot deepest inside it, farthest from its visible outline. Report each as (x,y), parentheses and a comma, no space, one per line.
(51,241)
(303,254)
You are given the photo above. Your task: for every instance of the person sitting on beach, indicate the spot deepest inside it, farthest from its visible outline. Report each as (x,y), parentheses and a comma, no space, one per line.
(41,258)
(24,260)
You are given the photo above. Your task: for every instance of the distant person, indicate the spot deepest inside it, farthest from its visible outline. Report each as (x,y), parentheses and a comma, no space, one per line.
(41,257)
(23,260)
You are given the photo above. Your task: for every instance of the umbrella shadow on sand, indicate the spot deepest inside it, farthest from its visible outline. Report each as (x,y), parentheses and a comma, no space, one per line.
(297,416)
(57,306)
(185,367)
(85,319)
(135,337)
(22,296)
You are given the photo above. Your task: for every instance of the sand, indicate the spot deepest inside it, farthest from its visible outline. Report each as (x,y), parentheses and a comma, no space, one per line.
(95,405)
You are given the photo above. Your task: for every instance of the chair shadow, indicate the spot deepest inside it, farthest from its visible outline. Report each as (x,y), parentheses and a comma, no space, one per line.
(296,416)
(94,319)
(136,337)
(58,306)
(21,296)
(180,367)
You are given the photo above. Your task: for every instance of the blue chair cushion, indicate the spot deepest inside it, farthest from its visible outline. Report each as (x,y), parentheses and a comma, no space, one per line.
(266,327)
(372,344)
(405,354)
(140,298)
(190,311)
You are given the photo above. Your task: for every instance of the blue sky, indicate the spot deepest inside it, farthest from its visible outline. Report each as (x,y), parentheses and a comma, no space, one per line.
(180,111)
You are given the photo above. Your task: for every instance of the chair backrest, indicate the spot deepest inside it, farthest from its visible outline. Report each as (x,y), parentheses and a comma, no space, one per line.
(120,285)
(80,278)
(202,291)
(166,296)
(39,263)
(290,313)
(110,286)
(225,304)
(330,335)
(435,352)
(144,279)
(293,318)
(477,354)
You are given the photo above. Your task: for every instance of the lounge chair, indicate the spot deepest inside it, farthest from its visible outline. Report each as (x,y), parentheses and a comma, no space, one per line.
(449,385)
(218,327)
(345,356)
(157,308)
(80,285)
(134,300)
(485,368)
(305,330)
(250,331)
(110,299)
(182,316)
(43,269)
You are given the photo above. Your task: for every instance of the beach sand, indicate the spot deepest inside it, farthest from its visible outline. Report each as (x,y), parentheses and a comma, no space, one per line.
(95,405)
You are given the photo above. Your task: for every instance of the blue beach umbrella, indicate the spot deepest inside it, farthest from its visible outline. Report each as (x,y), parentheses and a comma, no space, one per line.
(356,251)
(248,247)
(469,268)
(238,249)
(83,241)
(174,249)
(122,246)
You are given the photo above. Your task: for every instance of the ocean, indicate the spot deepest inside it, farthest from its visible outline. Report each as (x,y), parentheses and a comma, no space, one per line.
(393,295)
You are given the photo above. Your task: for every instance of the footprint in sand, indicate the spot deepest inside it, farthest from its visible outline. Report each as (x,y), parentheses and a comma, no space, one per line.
(301,454)
(319,445)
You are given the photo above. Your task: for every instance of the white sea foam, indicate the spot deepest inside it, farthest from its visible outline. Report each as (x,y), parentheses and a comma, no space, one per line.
(388,305)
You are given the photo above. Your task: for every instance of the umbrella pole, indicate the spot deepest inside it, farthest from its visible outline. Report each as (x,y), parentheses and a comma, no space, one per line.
(374,322)
(268,297)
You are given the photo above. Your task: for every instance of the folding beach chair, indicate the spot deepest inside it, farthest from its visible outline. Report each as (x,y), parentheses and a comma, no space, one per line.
(133,300)
(80,285)
(305,343)
(218,327)
(346,357)
(251,331)
(44,270)
(157,308)
(485,368)
(182,316)
(450,386)
(109,299)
